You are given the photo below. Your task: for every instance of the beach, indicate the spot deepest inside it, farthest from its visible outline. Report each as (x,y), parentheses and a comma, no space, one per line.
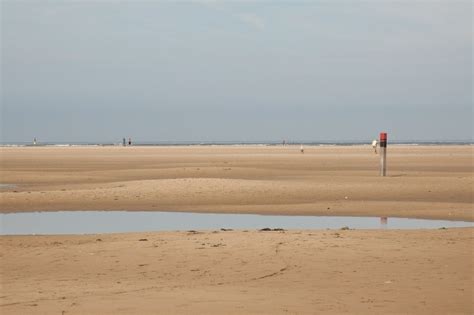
(237,272)
(241,272)
(422,181)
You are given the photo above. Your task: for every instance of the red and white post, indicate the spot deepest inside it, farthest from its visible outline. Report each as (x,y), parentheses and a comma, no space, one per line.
(383,153)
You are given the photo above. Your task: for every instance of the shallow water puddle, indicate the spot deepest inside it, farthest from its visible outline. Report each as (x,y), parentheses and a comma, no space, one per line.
(91,222)
(7,186)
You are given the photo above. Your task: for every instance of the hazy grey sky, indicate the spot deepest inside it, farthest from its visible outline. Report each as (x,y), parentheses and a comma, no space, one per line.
(221,70)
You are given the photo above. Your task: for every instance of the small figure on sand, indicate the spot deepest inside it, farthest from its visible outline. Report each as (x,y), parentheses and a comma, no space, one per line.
(34,141)
(302,149)
(129,141)
(374,145)
(124,142)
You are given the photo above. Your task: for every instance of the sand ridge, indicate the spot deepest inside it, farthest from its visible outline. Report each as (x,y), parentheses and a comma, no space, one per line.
(425,181)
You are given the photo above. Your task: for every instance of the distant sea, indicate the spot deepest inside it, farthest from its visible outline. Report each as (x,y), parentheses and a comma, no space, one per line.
(235,143)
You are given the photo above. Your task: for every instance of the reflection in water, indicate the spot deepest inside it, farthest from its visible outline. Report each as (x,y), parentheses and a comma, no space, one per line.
(7,186)
(383,222)
(90,222)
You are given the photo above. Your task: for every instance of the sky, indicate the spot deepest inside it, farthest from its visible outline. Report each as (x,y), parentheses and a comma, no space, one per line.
(235,71)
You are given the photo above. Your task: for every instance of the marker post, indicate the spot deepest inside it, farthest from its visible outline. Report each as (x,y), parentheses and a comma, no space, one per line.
(383,153)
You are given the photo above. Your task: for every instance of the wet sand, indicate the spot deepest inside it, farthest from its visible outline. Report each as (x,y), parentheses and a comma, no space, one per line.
(239,272)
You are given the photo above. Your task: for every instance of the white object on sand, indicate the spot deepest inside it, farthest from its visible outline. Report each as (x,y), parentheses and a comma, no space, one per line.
(374,145)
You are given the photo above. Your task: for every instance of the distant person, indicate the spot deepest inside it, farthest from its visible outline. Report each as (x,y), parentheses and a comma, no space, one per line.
(301,149)
(34,141)
(124,142)
(374,145)
(129,141)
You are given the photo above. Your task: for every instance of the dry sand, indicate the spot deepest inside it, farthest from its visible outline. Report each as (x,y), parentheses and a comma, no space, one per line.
(295,272)
(238,272)
(425,182)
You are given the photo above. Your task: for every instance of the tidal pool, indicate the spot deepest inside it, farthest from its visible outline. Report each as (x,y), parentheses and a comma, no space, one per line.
(7,186)
(92,222)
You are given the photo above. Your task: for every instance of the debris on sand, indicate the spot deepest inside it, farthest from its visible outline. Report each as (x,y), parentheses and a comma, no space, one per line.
(143,240)
(271,230)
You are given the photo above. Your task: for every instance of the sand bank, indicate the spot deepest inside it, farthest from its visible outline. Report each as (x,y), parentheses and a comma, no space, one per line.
(423,181)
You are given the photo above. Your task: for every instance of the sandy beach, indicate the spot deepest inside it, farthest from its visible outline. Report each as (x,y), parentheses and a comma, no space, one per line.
(423,181)
(241,272)
(217,157)
(237,272)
